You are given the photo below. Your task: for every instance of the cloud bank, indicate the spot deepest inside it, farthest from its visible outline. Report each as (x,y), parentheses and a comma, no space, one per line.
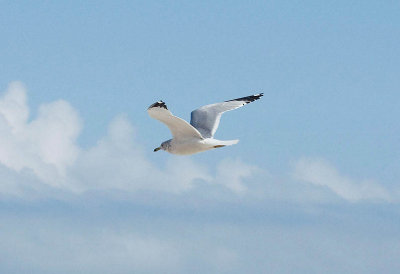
(180,217)
(40,156)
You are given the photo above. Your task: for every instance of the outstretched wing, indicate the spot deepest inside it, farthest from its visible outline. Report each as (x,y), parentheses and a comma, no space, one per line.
(206,119)
(179,128)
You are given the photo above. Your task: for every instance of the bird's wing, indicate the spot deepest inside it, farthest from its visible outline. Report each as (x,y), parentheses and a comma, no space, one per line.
(206,119)
(179,128)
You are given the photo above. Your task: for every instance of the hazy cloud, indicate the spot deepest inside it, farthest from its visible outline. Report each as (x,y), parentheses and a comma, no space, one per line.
(321,173)
(97,239)
(231,172)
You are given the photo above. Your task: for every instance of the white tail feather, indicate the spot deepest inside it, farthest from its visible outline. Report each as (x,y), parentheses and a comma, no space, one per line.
(218,143)
(229,142)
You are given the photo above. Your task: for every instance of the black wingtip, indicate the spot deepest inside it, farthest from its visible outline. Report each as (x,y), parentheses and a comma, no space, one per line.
(248,99)
(159,104)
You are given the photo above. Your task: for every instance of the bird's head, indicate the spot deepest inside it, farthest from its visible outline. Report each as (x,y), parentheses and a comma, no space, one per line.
(164,146)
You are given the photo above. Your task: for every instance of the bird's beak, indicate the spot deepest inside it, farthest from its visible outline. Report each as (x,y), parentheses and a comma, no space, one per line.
(157,149)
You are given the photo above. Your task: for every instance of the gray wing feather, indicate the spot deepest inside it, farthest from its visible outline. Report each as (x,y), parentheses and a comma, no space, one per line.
(206,119)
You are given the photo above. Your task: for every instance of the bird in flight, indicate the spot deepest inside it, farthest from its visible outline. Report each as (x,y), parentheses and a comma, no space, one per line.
(198,135)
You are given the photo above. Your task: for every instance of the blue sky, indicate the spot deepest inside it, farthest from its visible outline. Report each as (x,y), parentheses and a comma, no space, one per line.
(311,187)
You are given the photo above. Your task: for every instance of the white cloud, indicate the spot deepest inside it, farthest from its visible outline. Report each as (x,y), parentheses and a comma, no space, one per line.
(320,173)
(45,145)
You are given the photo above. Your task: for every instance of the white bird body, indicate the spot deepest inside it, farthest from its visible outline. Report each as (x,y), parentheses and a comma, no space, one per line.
(194,145)
(198,135)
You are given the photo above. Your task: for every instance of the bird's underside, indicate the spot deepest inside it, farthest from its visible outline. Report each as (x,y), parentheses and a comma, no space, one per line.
(198,135)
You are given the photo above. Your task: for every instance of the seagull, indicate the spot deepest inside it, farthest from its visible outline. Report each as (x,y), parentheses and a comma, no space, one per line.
(198,135)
